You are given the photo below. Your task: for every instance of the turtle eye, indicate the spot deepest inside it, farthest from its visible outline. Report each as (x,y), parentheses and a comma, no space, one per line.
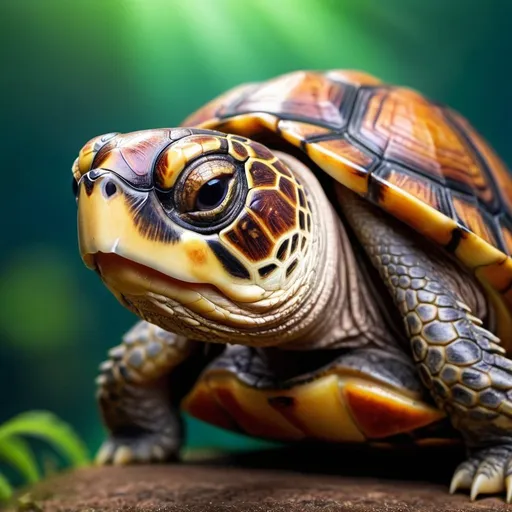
(212,193)
(207,190)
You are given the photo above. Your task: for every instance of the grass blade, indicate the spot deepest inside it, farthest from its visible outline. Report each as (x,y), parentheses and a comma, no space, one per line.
(49,428)
(17,453)
(5,488)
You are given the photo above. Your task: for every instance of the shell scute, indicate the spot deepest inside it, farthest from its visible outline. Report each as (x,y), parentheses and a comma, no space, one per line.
(407,128)
(381,413)
(494,164)
(472,217)
(345,162)
(299,96)
(298,133)
(334,407)
(416,185)
(203,406)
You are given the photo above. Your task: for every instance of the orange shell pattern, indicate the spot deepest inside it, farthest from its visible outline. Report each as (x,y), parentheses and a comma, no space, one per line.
(334,407)
(418,160)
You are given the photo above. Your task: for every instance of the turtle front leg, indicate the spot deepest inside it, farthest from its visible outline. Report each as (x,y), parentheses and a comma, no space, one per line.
(460,362)
(135,398)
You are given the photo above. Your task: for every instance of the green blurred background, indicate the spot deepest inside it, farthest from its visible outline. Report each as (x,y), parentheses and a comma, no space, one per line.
(74,69)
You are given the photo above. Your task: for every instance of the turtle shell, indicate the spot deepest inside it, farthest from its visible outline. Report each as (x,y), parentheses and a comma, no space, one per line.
(418,160)
(334,403)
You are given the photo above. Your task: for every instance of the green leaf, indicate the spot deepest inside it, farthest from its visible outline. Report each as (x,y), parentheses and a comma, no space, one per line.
(5,488)
(51,429)
(16,452)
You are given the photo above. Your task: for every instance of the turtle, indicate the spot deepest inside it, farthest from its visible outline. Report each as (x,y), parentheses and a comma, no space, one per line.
(321,256)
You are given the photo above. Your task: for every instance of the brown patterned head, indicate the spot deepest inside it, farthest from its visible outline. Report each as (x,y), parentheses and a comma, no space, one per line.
(197,231)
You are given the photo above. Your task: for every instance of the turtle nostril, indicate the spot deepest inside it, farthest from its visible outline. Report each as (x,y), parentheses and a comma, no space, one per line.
(110,189)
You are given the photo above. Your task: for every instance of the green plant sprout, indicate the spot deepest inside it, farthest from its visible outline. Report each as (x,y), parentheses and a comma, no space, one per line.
(15,451)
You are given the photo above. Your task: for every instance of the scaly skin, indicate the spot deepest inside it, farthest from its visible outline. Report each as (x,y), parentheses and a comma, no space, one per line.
(459,361)
(274,368)
(135,400)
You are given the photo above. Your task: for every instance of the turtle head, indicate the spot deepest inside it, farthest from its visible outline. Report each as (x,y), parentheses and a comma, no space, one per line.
(202,233)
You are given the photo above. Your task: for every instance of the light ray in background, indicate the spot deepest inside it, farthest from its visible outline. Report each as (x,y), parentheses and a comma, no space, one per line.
(331,42)
(221,33)
(187,50)
(232,41)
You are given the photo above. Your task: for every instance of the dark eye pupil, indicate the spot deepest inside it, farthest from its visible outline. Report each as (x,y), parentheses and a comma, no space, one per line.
(211,194)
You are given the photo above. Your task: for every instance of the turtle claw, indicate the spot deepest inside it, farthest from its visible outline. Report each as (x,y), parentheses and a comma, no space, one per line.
(144,449)
(508,485)
(488,471)
(463,476)
(104,454)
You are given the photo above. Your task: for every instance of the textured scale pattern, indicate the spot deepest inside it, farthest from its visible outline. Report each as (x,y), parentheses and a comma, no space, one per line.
(276,223)
(442,332)
(420,161)
(460,362)
(132,399)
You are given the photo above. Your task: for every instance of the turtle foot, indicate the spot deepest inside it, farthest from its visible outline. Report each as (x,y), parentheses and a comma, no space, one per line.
(487,471)
(146,448)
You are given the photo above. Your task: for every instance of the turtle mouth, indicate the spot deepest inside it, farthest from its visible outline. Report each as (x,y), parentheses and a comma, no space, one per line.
(128,276)
(169,302)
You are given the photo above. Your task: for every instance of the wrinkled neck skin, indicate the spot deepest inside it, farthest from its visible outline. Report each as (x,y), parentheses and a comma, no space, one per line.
(338,308)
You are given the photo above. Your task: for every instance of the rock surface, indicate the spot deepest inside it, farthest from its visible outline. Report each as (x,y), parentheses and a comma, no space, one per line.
(310,479)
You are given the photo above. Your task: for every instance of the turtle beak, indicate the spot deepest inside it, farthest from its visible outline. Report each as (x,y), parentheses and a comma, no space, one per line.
(125,235)
(103,219)
(115,218)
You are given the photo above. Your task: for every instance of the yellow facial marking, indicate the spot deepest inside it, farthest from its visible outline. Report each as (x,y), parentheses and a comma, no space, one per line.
(177,156)
(86,155)
(170,164)
(106,225)
(75,169)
